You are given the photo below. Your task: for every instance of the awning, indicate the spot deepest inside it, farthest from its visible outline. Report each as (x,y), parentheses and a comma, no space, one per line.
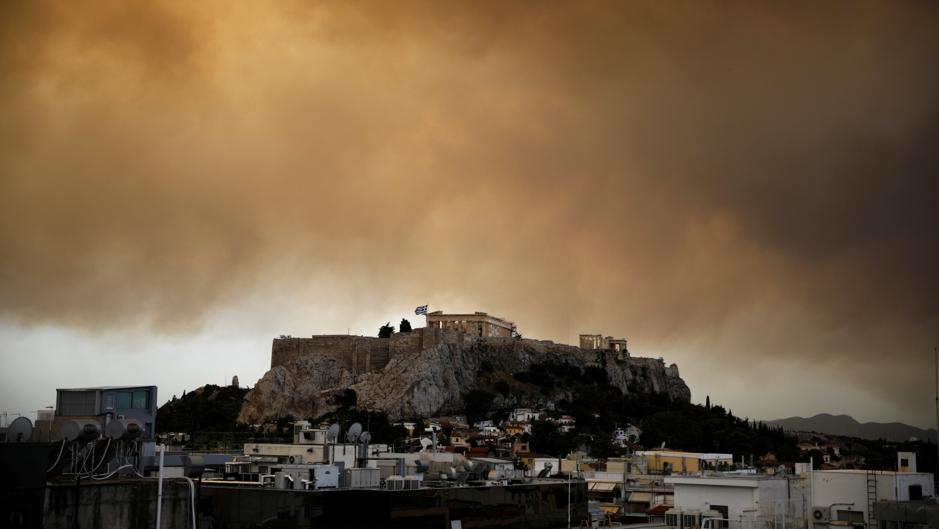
(610,509)
(602,486)
(640,497)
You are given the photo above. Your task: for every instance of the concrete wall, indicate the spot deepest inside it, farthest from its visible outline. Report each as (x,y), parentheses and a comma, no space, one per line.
(128,504)
(528,506)
(783,496)
(738,499)
(847,486)
(745,499)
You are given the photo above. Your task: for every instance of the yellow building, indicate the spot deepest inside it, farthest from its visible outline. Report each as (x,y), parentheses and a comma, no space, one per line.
(514,429)
(678,462)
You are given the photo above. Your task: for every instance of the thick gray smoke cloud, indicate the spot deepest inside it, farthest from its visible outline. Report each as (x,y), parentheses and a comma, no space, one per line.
(757,182)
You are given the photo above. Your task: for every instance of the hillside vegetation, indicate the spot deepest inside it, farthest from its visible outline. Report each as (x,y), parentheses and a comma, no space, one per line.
(598,406)
(210,408)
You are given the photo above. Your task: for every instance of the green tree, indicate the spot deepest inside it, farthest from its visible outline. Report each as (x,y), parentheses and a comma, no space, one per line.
(386,330)
(478,403)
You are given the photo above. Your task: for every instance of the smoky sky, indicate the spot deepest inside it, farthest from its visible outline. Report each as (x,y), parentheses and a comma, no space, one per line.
(753,182)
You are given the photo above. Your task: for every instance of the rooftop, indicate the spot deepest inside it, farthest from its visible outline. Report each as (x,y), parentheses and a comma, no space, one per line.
(725,480)
(864,472)
(678,453)
(106,388)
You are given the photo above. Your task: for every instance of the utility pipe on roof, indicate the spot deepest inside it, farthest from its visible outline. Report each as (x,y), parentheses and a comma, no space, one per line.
(160,488)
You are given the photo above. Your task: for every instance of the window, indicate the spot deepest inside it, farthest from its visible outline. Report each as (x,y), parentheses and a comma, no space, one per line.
(916,492)
(123,400)
(141,400)
(109,401)
(725,514)
(850,516)
(77,403)
(904,462)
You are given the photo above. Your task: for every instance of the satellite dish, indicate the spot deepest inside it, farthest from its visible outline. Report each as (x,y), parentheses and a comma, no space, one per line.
(134,428)
(20,430)
(65,431)
(354,431)
(115,429)
(365,437)
(88,432)
(332,433)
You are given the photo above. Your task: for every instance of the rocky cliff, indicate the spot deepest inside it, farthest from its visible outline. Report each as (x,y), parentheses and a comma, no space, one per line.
(433,381)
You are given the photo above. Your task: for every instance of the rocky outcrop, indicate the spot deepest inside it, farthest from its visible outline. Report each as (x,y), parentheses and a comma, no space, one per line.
(434,380)
(304,388)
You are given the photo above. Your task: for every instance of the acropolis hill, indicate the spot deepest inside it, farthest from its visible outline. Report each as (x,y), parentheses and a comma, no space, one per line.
(427,372)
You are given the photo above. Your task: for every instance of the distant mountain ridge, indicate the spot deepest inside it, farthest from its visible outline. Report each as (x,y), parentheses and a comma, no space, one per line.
(848,426)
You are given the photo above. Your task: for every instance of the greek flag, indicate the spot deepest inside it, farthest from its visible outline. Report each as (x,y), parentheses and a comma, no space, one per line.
(421,310)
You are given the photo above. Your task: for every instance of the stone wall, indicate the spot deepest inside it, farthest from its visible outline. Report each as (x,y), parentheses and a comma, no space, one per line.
(365,354)
(358,354)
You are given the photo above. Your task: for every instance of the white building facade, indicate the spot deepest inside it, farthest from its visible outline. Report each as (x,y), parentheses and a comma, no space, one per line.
(744,502)
(848,495)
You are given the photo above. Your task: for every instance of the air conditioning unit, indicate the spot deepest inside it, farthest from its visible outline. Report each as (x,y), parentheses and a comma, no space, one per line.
(394,483)
(673,519)
(820,514)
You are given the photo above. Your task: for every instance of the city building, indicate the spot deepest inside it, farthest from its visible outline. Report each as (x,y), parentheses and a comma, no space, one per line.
(849,495)
(678,462)
(906,461)
(459,439)
(628,434)
(741,500)
(525,415)
(137,403)
(476,324)
(310,446)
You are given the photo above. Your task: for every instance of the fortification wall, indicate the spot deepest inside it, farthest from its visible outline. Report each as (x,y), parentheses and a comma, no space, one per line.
(359,354)
(362,354)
